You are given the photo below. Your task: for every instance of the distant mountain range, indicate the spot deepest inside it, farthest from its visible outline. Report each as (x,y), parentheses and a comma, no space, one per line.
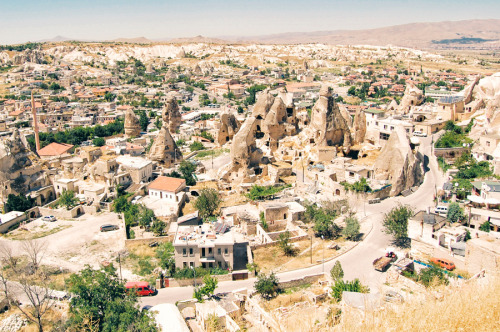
(483,34)
(421,35)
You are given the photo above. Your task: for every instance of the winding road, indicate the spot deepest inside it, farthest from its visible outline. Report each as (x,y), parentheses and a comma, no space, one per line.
(356,263)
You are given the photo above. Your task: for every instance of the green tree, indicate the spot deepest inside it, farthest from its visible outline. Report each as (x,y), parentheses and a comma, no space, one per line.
(455,213)
(396,221)
(18,203)
(109,97)
(267,286)
(143,120)
(99,141)
(351,229)
(165,253)
(337,272)
(285,245)
(196,146)
(485,227)
(210,284)
(120,204)
(101,303)
(146,217)
(158,227)
(68,199)
(347,286)
(187,170)
(208,202)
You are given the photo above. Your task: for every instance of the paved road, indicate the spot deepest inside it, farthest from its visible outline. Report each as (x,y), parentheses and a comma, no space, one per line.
(356,263)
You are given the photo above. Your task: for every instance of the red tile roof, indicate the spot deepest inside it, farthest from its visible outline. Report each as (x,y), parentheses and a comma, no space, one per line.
(167,183)
(55,149)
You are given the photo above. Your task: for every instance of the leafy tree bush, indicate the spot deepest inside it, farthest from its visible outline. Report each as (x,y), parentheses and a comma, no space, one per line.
(146,217)
(347,286)
(285,245)
(263,221)
(358,186)
(187,170)
(396,221)
(432,276)
(485,227)
(68,199)
(18,203)
(455,213)
(351,229)
(267,286)
(207,135)
(208,202)
(99,141)
(157,227)
(263,192)
(101,303)
(337,272)
(143,120)
(196,146)
(165,253)
(210,284)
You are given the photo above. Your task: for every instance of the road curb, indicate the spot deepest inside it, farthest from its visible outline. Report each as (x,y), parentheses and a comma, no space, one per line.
(336,257)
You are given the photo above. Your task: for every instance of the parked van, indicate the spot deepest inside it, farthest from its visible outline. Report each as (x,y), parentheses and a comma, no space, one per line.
(142,288)
(443,263)
(441,210)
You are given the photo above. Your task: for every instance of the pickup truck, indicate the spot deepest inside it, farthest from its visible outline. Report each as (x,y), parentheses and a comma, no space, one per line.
(382,263)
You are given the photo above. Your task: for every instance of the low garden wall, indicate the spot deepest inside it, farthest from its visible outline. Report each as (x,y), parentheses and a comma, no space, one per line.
(172,282)
(162,239)
(301,281)
(62,213)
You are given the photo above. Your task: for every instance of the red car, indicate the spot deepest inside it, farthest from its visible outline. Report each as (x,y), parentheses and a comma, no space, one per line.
(443,263)
(142,288)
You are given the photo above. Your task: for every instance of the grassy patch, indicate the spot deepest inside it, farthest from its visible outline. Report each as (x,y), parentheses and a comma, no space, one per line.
(210,153)
(21,234)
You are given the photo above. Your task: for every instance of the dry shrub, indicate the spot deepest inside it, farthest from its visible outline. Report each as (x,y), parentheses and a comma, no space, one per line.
(472,307)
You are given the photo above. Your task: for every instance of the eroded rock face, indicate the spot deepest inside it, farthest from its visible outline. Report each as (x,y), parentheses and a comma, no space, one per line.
(164,150)
(398,164)
(359,127)
(413,97)
(171,114)
(228,128)
(329,126)
(20,169)
(132,126)
(34,56)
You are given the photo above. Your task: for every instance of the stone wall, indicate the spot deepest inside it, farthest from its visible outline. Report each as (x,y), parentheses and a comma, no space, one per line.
(450,153)
(302,281)
(162,239)
(61,213)
(172,282)
(4,227)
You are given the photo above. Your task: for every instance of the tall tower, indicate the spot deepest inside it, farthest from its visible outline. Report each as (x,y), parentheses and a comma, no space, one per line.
(35,123)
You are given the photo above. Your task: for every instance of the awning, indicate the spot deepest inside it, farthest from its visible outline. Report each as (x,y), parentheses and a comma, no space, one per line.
(475,199)
(495,221)
(492,201)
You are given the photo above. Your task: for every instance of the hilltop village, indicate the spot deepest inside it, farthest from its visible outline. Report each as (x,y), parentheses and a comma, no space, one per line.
(244,186)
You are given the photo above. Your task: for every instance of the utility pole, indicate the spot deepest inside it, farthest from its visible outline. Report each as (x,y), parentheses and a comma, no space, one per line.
(120,264)
(311,249)
(323,238)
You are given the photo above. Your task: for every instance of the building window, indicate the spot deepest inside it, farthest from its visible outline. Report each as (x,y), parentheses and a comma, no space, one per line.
(351,174)
(184,264)
(209,251)
(191,264)
(219,251)
(487,143)
(184,252)
(226,252)
(191,252)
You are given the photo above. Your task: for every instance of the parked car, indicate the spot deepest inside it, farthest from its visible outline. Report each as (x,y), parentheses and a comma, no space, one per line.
(136,199)
(142,288)
(49,218)
(419,134)
(443,263)
(441,210)
(108,227)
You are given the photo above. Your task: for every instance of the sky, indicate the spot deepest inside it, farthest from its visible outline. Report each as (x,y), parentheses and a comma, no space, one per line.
(33,20)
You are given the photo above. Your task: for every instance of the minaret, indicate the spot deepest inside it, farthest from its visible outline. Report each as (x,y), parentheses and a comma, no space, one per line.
(35,123)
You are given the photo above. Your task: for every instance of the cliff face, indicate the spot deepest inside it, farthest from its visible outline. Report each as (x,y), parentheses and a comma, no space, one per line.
(229,126)
(398,164)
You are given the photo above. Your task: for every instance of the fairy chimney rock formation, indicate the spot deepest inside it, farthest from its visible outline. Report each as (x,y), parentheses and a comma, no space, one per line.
(413,97)
(359,127)
(132,126)
(398,164)
(329,127)
(164,150)
(171,115)
(229,126)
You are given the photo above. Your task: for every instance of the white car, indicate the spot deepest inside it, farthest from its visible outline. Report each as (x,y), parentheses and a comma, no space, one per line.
(136,199)
(441,210)
(49,218)
(419,134)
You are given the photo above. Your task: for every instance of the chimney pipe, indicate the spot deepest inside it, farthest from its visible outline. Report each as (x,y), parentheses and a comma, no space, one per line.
(35,123)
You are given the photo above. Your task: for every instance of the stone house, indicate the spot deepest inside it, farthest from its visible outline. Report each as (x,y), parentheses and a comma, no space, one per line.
(140,169)
(167,188)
